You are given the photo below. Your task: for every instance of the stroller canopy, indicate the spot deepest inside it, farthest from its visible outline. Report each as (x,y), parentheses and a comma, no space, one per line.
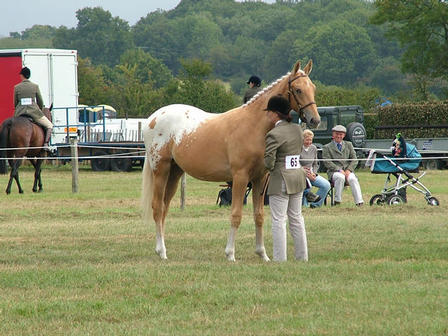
(391,164)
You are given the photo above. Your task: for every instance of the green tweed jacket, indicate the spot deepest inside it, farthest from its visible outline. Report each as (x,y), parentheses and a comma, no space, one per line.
(284,139)
(341,160)
(22,91)
(250,93)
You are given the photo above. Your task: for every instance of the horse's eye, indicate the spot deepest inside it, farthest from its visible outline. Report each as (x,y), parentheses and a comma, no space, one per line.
(299,91)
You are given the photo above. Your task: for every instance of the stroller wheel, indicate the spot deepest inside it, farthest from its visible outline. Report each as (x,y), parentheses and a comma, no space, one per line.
(395,200)
(433,201)
(377,199)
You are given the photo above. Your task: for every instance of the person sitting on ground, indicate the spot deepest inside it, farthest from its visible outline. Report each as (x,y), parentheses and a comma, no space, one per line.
(308,160)
(28,101)
(340,160)
(254,86)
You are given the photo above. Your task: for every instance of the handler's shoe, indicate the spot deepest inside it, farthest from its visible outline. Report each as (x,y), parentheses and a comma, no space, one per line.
(312,197)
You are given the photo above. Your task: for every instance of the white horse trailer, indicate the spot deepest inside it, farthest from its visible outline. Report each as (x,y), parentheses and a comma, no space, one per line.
(56,73)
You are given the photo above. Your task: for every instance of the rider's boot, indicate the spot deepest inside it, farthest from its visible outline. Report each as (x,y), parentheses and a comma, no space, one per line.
(47,140)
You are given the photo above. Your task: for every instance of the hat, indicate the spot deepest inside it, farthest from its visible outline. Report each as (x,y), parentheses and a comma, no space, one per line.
(339,128)
(25,72)
(278,104)
(254,79)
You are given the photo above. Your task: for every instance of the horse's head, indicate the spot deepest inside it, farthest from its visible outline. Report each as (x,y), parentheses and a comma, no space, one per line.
(47,112)
(301,94)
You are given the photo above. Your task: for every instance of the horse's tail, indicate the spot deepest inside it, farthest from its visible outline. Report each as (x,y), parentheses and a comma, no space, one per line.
(147,190)
(4,135)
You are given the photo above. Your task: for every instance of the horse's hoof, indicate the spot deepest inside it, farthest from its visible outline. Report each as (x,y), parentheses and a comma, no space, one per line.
(230,255)
(161,254)
(20,191)
(262,254)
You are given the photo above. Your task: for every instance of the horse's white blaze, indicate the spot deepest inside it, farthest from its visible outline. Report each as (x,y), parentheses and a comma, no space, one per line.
(171,122)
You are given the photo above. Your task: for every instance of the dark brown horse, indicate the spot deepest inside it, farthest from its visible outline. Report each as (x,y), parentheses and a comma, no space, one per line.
(20,137)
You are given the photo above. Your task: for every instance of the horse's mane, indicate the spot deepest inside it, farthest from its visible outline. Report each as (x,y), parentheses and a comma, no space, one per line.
(266,89)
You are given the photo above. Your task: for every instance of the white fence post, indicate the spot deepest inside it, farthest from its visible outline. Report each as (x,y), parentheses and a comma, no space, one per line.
(75,167)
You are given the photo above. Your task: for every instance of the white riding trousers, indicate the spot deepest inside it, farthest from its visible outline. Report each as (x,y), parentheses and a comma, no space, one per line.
(339,181)
(284,206)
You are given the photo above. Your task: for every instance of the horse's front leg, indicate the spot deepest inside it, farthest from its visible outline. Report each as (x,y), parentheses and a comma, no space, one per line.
(238,188)
(258,202)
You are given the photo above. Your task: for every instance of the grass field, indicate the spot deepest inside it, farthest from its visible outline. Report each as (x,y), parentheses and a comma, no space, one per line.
(84,264)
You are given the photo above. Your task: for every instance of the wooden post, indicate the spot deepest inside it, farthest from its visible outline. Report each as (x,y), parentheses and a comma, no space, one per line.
(139,130)
(74,154)
(183,183)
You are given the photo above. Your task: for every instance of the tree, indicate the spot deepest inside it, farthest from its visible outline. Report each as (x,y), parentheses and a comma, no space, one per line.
(342,52)
(92,86)
(149,69)
(197,91)
(421,26)
(98,36)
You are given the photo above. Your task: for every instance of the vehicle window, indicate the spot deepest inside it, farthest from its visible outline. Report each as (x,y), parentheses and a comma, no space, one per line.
(347,118)
(323,124)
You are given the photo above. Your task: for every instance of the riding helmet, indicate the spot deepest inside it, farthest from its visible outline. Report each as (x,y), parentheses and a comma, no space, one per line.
(278,104)
(254,79)
(26,72)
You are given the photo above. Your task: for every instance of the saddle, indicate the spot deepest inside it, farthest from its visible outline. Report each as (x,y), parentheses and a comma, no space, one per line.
(30,118)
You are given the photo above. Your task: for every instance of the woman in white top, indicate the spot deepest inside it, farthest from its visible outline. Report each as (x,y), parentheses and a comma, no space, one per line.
(308,160)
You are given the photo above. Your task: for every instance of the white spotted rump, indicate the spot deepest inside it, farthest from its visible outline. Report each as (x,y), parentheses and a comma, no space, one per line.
(168,123)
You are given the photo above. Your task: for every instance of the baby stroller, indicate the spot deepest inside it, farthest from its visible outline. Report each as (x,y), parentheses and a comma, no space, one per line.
(406,160)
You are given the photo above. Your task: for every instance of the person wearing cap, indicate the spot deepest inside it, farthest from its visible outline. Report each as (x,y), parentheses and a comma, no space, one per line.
(254,83)
(340,160)
(28,101)
(287,179)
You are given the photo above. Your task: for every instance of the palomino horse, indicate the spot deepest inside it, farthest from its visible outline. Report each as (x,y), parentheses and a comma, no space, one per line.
(23,138)
(217,147)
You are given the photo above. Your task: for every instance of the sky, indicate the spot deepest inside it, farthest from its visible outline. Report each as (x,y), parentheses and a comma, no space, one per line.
(15,17)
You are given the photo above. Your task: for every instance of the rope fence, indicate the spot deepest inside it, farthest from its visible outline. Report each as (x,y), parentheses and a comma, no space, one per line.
(139,153)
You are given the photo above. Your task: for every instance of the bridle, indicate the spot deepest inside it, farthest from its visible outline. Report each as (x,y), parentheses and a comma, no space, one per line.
(291,92)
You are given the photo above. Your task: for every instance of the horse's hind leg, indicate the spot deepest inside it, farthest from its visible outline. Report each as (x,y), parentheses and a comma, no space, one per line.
(37,171)
(161,176)
(14,176)
(171,187)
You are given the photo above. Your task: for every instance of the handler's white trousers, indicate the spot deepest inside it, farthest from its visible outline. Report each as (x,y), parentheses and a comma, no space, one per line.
(284,207)
(339,181)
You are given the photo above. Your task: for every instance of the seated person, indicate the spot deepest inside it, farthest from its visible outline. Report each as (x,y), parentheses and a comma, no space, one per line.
(308,161)
(341,167)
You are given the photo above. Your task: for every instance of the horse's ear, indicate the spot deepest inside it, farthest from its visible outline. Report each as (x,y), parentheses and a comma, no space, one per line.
(308,67)
(296,67)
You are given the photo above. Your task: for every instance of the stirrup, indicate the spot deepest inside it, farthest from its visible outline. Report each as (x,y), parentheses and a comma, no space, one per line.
(46,148)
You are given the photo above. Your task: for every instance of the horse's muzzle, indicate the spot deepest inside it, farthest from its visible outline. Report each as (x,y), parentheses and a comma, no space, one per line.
(311,120)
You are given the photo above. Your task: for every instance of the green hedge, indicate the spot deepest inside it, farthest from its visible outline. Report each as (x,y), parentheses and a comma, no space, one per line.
(421,114)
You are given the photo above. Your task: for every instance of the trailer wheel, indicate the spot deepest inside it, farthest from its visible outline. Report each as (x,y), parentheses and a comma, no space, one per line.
(121,164)
(100,163)
(431,164)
